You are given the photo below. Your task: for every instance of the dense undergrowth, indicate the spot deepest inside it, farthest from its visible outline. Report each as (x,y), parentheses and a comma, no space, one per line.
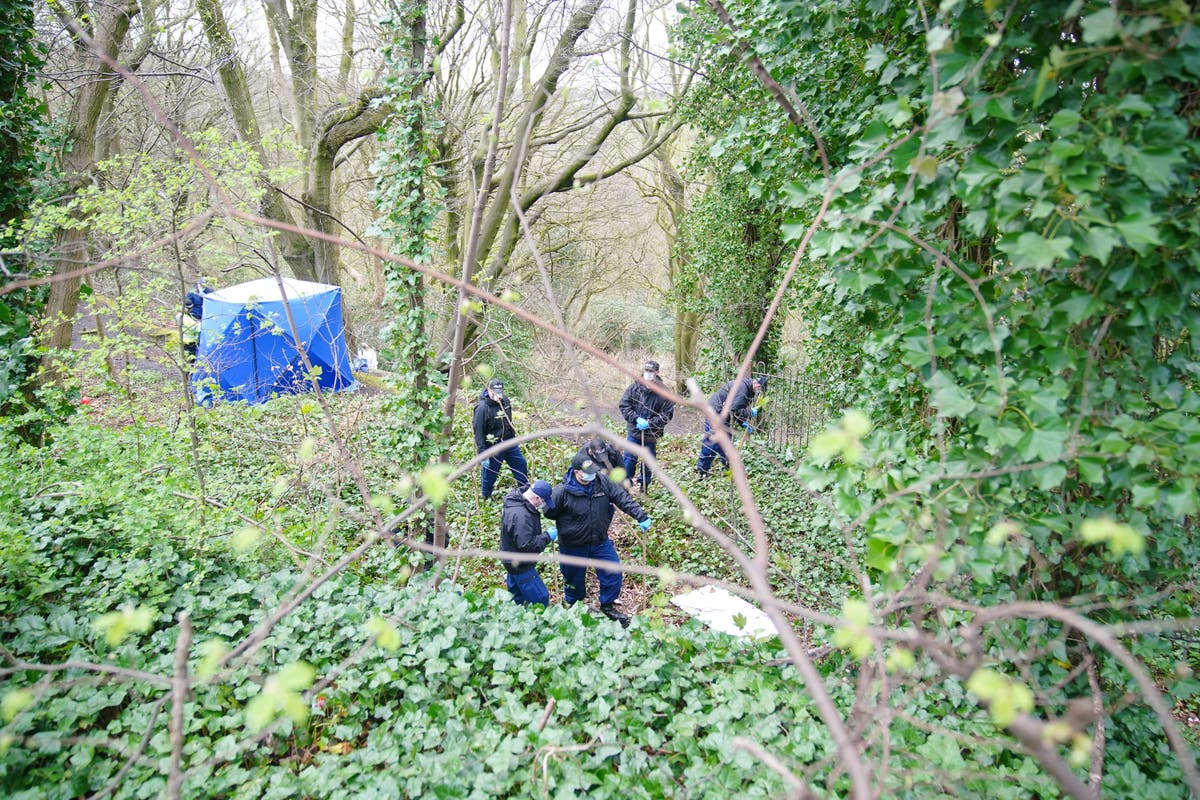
(382,684)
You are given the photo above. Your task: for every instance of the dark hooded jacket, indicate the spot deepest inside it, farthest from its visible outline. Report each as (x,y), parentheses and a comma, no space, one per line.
(743,398)
(493,421)
(640,401)
(193,301)
(520,530)
(584,511)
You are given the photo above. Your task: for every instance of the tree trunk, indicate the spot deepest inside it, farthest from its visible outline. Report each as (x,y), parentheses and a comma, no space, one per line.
(336,128)
(495,237)
(347,61)
(111,24)
(687,323)
(297,33)
(295,249)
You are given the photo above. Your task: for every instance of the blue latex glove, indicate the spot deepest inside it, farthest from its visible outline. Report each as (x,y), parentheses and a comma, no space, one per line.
(642,423)
(487,462)
(748,427)
(552,532)
(645,524)
(754,412)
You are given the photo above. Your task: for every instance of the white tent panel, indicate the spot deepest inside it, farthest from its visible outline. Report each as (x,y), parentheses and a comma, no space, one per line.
(267,289)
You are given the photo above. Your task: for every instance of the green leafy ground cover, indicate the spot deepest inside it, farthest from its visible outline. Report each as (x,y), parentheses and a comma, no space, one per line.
(1001,285)
(451,709)
(379,684)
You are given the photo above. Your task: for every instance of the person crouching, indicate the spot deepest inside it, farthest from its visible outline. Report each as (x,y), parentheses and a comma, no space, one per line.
(521,532)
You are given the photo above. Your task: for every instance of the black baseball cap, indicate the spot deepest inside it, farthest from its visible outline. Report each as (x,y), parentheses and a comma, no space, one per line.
(584,464)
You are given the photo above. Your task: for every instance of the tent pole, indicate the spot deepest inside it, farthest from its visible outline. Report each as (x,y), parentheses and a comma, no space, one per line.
(254,354)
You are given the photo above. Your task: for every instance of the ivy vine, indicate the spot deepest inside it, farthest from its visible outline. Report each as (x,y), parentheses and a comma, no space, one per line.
(407,196)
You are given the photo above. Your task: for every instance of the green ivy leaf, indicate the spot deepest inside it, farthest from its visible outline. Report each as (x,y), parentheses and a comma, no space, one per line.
(1098,242)
(1044,86)
(876,57)
(794,228)
(1140,230)
(881,555)
(1181,498)
(1033,250)
(1100,26)
(948,397)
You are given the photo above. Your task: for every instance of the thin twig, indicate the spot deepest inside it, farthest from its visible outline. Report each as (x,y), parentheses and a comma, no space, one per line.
(135,755)
(179,696)
(797,789)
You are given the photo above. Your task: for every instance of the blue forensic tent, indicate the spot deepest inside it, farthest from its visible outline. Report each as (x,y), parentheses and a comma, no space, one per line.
(249,351)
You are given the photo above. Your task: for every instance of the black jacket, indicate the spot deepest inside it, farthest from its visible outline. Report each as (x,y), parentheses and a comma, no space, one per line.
(520,530)
(584,511)
(739,412)
(640,401)
(493,421)
(602,452)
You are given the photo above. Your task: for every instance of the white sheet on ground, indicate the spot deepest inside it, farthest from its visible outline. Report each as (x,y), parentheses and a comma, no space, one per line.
(722,611)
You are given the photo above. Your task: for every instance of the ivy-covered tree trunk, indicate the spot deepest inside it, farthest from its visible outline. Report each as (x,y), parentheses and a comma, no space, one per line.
(18,146)
(408,215)
(735,261)
(22,162)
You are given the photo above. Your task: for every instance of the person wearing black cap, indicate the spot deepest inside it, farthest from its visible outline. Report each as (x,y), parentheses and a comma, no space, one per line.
(646,416)
(603,452)
(742,411)
(582,505)
(493,424)
(521,532)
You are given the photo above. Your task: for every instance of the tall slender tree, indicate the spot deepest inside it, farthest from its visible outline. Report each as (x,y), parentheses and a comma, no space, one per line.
(98,32)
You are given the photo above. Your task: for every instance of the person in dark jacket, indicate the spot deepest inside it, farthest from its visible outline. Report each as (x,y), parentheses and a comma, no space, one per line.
(582,505)
(193,312)
(603,452)
(521,532)
(646,416)
(493,424)
(742,412)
